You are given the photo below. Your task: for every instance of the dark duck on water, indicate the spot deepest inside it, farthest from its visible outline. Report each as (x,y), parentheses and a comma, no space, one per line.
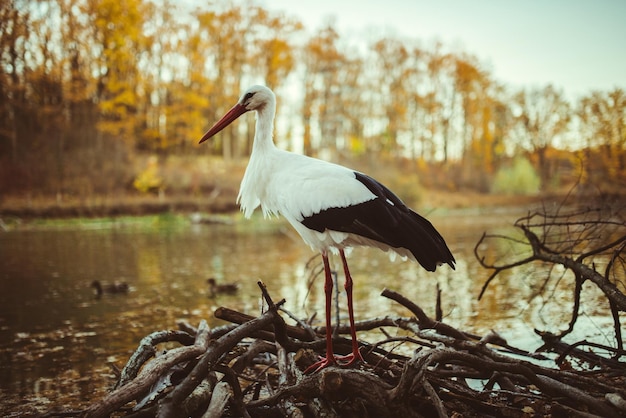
(112,288)
(227,288)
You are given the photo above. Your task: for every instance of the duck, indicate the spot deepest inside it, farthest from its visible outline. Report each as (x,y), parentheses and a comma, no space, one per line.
(113,288)
(226,288)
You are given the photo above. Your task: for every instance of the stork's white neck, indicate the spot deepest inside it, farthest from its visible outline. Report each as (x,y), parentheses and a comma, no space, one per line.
(255,180)
(264,129)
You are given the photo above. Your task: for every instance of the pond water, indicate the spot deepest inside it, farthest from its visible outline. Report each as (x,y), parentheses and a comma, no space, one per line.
(53,329)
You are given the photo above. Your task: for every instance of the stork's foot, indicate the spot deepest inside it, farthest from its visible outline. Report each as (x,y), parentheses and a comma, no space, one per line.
(321,364)
(350,359)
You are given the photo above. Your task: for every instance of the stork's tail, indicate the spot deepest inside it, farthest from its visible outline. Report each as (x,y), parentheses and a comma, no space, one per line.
(425,242)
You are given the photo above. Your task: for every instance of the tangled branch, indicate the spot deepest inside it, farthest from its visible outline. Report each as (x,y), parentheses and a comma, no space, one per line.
(581,241)
(253,368)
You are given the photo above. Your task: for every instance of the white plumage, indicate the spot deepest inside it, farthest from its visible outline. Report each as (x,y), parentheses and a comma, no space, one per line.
(330,206)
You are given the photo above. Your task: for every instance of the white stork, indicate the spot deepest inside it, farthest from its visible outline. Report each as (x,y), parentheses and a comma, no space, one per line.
(332,207)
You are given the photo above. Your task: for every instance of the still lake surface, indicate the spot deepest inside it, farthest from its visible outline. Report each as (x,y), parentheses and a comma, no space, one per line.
(52,327)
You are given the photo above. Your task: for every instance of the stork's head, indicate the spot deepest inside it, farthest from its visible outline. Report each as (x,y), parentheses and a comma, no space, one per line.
(255,98)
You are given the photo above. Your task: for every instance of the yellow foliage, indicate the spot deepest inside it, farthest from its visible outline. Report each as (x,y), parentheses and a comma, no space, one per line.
(357,146)
(156,75)
(149,179)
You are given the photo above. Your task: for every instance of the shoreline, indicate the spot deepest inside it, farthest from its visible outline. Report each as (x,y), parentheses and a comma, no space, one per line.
(224,202)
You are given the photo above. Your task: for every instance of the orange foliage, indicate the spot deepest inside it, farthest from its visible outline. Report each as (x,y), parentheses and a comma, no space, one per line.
(85,85)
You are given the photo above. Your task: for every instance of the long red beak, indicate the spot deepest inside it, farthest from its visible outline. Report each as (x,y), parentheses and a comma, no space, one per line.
(226,120)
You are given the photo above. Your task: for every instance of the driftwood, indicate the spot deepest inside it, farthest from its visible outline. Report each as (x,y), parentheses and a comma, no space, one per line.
(253,368)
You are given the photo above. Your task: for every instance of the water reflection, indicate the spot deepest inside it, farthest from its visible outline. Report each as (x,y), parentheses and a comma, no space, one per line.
(51,323)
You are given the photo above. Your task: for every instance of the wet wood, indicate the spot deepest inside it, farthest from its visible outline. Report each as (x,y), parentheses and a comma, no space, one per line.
(254,369)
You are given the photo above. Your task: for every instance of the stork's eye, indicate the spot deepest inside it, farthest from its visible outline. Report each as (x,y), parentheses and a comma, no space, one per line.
(247,97)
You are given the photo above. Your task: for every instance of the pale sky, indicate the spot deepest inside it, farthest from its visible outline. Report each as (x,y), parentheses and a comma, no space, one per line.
(576,45)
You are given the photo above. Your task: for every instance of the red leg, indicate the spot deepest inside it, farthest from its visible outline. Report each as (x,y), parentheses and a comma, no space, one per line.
(356,355)
(329,360)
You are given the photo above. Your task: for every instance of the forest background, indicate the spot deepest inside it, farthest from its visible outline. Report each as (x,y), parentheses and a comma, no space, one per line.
(102,104)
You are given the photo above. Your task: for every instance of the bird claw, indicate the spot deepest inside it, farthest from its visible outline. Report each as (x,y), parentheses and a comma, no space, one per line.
(334,360)
(351,358)
(322,363)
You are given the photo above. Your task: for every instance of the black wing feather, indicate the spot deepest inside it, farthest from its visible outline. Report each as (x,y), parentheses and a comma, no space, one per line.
(388,220)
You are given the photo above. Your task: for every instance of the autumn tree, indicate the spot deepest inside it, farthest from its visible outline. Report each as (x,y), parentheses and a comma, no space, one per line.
(117,31)
(159,106)
(12,28)
(222,36)
(85,85)
(274,52)
(357,102)
(603,127)
(273,57)
(392,59)
(420,104)
(439,102)
(46,104)
(543,114)
(15,20)
(323,62)
(233,40)
(485,121)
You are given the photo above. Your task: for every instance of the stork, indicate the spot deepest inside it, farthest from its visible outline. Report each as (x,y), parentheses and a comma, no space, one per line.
(330,206)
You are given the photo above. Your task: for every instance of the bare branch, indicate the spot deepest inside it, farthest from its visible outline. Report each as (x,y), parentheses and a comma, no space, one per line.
(433,381)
